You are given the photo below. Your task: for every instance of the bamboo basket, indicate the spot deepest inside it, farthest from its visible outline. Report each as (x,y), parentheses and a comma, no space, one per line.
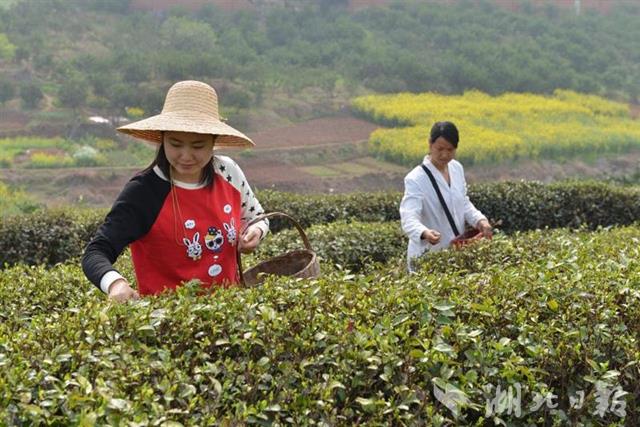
(301,263)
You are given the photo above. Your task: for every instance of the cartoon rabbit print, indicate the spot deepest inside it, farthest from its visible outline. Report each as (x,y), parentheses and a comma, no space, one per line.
(231,231)
(194,249)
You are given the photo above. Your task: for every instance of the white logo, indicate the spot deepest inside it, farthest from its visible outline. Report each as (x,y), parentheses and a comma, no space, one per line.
(227,209)
(214,270)
(189,224)
(451,397)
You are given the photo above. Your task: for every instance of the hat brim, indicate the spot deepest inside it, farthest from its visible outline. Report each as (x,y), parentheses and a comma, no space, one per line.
(151,129)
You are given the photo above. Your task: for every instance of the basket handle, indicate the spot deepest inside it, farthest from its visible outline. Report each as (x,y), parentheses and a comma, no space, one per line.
(262,217)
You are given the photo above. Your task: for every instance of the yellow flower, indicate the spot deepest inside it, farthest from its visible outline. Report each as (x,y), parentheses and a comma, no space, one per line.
(496,129)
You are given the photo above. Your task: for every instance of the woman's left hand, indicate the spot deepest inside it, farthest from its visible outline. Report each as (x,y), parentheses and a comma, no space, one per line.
(250,239)
(485,228)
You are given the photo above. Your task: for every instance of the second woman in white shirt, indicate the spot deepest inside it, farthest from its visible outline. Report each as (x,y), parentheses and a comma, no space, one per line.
(422,215)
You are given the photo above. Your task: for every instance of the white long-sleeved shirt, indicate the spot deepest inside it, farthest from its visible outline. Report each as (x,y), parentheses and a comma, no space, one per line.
(420,208)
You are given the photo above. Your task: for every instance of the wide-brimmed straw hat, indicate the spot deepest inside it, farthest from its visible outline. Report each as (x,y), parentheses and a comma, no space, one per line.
(190,106)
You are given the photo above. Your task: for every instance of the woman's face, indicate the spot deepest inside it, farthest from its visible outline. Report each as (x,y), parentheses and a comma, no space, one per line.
(188,153)
(442,152)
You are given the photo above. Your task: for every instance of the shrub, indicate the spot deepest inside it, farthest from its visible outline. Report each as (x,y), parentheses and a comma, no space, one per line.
(355,246)
(521,206)
(7,90)
(15,202)
(6,160)
(320,209)
(134,112)
(88,156)
(31,95)
(46,237)
(46,160)
(531,205)
(341,350)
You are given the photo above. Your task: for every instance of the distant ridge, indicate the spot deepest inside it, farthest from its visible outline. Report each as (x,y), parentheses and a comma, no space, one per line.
(159,5)
(603,6)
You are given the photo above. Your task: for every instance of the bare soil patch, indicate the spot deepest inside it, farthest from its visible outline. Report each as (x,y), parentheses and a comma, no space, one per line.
(328,130)
(12,123)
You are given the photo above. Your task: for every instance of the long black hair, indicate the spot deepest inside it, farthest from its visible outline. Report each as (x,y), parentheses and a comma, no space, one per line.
(447,130)
(162,162)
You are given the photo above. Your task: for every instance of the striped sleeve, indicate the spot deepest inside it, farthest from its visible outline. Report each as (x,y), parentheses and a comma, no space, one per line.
(251,207)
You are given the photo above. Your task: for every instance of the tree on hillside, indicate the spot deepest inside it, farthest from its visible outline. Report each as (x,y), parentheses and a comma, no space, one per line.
(328,4)
(73,94)
(186,35)
(7,49)
(134,67)
(296,44)
(7,90)
(74,91)
(121,96)
(115,6)
(31,95)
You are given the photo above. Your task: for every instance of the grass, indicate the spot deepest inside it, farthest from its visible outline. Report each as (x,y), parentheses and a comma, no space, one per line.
(321,171)
(353,168)
(381,165)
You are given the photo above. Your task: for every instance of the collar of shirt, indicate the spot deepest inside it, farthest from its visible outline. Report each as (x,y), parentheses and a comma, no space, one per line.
(436,173)
(181,184)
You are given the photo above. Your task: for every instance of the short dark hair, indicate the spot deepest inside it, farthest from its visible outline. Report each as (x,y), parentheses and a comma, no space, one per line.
(447,130)
(163,163)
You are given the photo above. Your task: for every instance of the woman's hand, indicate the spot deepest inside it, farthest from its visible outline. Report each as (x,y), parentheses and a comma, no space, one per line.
(250,239)
(121,291)
(485,228)
(431,236)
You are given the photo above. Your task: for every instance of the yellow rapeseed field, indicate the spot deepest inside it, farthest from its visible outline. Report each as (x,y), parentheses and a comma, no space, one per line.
(503,128)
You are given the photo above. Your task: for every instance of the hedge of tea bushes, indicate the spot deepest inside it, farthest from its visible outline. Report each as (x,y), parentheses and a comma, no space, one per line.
(46,237)
(521,205)
(341,350)
(355,246)
(309,209)
(531,205)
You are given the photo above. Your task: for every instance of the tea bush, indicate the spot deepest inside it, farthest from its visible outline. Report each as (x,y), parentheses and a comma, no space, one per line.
(520,205)
(531,205)
(345,349)
(523,205)
(355,246)
(309,209)
(46,237)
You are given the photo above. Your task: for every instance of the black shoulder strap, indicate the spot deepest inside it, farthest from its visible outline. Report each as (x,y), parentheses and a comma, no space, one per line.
(444,205)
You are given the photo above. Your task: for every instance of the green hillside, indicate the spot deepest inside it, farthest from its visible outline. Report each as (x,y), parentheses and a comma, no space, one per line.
(100,56)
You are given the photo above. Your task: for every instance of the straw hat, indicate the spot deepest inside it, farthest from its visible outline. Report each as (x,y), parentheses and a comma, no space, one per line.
(190,106)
